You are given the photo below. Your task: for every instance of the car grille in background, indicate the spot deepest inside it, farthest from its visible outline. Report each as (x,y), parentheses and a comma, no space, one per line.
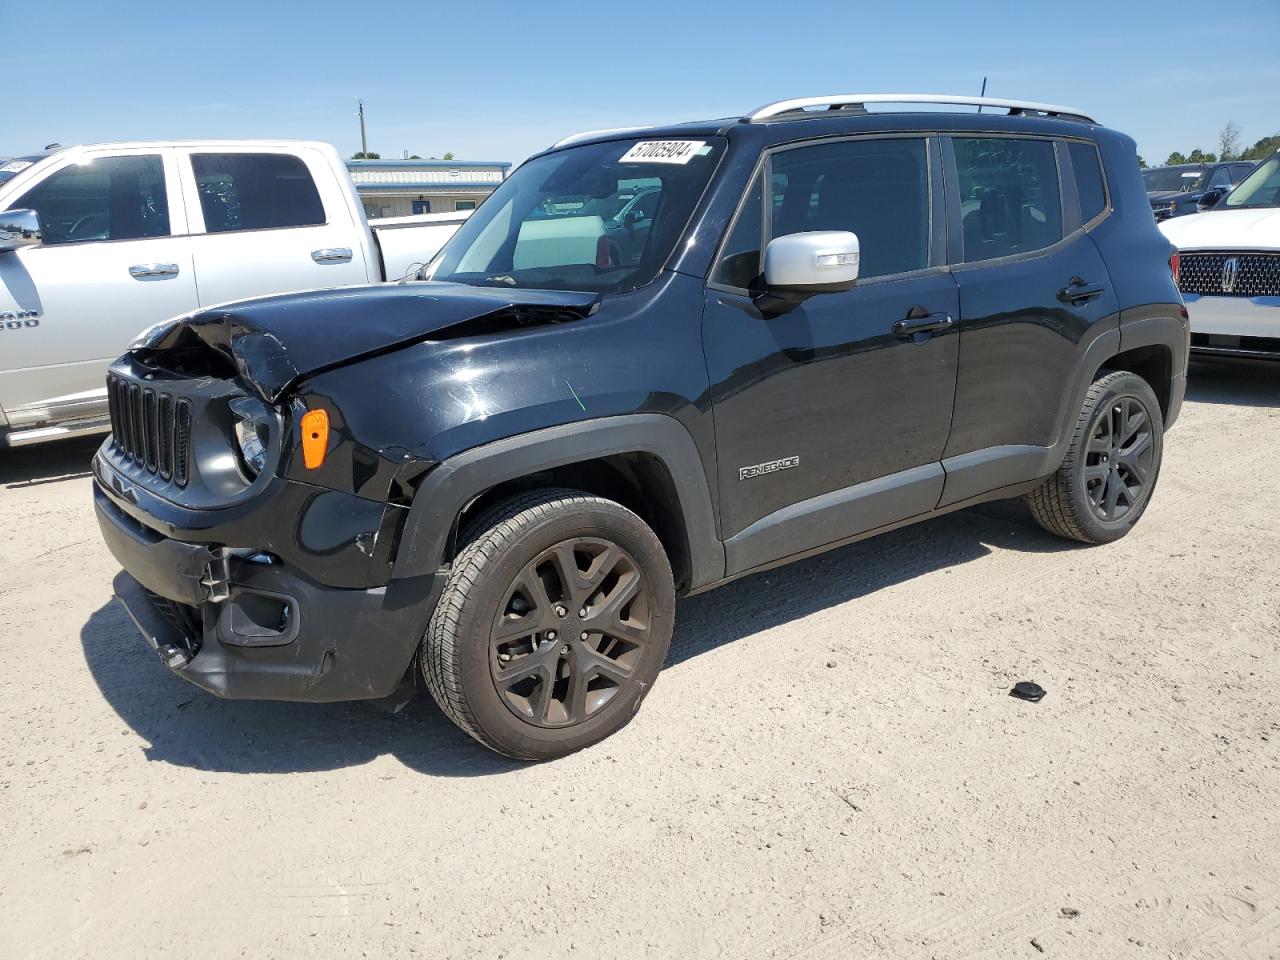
(152,429)
(1255,274)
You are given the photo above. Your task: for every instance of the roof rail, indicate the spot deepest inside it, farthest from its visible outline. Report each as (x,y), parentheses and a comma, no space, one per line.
(856,103)
(588,134)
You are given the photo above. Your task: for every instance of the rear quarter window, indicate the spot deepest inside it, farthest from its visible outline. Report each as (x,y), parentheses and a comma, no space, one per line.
(1090,187)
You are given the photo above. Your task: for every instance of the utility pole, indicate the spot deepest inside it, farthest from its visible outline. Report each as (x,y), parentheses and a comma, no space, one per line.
(364,143)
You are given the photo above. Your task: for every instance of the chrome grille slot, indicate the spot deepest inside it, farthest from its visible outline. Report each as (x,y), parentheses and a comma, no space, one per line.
(151,428)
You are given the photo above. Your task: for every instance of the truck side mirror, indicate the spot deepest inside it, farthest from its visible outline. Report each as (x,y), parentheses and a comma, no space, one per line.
(18,229)
(801,265)
(1209,198)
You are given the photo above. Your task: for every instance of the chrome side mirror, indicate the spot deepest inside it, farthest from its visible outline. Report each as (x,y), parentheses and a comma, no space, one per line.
(18,229)
(801,265)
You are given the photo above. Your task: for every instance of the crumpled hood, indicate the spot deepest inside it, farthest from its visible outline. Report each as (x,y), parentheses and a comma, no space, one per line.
(1256,229)
(275,341)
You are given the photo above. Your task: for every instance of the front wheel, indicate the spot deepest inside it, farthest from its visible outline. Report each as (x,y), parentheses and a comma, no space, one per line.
(1105,482)
(553,625)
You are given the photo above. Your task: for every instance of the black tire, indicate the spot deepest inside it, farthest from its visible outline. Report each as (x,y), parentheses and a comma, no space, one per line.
(507,576)
(1104,485)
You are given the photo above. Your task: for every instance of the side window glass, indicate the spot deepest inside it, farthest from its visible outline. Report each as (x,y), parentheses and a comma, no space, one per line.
(879,189)
(1088,173)
(1221,178)
(255,191)
(110,198)
(739,264)
(1009,201)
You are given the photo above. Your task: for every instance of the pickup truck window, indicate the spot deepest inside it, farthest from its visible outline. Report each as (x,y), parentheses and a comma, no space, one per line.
(600,217)
(879,189)
(1009,200)
(255,191)
(109,198)
(1089,185)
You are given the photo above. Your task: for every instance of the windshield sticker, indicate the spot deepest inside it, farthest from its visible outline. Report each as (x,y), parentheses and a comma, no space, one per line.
(15,166)
(663,151)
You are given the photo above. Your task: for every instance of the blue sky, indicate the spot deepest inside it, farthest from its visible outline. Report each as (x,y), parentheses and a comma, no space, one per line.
(499,80)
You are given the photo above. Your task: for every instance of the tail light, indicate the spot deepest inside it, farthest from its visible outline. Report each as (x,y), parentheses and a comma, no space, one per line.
(1173,266)
(603,260)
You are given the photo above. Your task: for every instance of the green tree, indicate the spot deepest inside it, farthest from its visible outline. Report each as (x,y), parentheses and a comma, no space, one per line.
(361,155)
(1199,156)
(1141,163)
(1263,148)
(1175,158)
(448,156)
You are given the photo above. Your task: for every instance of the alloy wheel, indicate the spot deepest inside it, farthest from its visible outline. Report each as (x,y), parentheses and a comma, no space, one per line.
(570,632)
(1119,458)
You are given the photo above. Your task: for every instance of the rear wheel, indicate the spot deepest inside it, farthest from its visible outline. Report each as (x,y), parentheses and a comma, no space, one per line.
(1105,482)
(553,625)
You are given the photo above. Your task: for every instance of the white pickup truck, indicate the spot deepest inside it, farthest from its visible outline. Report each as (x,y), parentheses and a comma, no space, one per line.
(100,242)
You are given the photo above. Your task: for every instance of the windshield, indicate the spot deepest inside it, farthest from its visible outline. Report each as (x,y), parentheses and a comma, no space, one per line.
(1173,179)
(600,218)
(1259,189)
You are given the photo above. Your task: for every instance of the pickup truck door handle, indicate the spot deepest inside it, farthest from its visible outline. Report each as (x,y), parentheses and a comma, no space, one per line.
(148,271)
(1078,291)
(332,255)
(918,321)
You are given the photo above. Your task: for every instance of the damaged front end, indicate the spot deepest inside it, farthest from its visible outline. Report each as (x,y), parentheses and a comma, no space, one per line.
(257,525)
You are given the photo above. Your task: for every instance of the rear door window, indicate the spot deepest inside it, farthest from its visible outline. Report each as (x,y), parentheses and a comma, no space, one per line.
(255,191)
(1009,198)
(1089,183)
(108,198)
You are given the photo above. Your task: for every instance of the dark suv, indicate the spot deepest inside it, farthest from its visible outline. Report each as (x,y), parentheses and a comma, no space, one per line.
(495,480)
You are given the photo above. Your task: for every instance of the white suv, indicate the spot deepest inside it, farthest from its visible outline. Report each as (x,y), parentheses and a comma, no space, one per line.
(1229,268)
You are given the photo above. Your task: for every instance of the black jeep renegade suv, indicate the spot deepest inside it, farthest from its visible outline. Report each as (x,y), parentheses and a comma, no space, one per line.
(653,361)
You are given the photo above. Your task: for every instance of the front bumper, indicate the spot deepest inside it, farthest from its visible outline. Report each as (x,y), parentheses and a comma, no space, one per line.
(243,628)
(1234,326)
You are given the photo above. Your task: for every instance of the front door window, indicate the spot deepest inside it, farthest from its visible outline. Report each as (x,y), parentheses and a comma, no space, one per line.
(109,198)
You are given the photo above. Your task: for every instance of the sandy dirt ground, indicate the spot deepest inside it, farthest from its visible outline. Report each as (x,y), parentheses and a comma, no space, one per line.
(830,765)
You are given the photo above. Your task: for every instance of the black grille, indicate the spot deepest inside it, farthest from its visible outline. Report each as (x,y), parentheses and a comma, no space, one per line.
(150,428)
(1255,274)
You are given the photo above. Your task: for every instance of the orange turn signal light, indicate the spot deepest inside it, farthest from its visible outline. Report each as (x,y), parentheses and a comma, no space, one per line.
(315,437)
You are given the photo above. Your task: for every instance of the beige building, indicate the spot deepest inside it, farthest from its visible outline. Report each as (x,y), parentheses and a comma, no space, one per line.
(400,188)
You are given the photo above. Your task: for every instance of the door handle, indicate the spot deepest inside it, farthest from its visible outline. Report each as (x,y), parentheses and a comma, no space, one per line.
(332,255)
(147,271)
(920,322)
(1078,291)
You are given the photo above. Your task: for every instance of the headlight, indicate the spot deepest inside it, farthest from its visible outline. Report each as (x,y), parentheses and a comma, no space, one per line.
(253,433)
